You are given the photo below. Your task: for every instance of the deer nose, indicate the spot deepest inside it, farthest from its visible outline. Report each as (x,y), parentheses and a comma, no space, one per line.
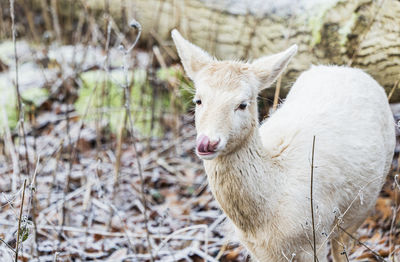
(206,145)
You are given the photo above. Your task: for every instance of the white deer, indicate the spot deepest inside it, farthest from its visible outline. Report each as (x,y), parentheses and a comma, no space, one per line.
(260,175)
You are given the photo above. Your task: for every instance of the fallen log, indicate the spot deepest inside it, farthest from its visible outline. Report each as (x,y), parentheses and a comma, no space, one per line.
(359,33)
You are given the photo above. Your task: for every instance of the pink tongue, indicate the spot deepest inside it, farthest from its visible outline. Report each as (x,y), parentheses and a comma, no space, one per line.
(202,144)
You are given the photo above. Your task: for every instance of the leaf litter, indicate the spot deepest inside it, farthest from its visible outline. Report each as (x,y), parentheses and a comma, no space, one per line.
(97,218)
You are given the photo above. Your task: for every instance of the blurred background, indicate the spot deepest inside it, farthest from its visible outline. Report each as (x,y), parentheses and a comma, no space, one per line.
(97,137)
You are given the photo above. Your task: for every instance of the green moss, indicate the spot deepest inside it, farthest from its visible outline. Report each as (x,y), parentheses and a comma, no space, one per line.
(35,96)
(165,73)
(31,96)
(347,28)
(316,26)
(106,95)
(316,21)
(8,101)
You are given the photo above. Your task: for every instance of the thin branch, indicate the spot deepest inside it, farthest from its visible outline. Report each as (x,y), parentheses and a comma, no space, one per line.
(96,231)
(395,209)
(279,82)
(344,249)
(276,95)
(56,23)
(138,27)
(393,89)
(20,109)
(15,54)
(345,254)
(379,257)
(339,219)
(5,243)
(35,206)
(195,227)
(19,221)
(312,200)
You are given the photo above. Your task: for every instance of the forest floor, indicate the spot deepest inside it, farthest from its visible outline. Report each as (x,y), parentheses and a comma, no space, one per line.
(87,198)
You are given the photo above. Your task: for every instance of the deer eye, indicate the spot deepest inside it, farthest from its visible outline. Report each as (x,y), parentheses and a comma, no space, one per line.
(197,101)
(242,106)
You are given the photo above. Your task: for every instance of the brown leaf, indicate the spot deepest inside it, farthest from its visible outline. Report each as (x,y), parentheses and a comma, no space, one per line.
(233,254)
(384,207)
(118,255)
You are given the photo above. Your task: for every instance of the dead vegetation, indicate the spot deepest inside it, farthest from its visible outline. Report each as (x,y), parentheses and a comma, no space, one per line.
(114,177)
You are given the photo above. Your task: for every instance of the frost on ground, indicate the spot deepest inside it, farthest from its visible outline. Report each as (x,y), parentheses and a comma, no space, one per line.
(103,220)
(76,210)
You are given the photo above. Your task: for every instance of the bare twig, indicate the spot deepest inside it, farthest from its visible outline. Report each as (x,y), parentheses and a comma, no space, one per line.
(105,87)
(71,162)
(393,89)
(116,234)
(379,257)
(10,145)
(55,257)
(118,153)
(73,150)
(276,95)
(312,200)
(279,82)
(45,14)
(138,27)
(340,218)
(56,23)
(35,206)
(195,227)
(7,245)
(20,109)
(19,221)
(344,249)
(164,47)
(2,22)
(396,209)
(30,18)
(345,254)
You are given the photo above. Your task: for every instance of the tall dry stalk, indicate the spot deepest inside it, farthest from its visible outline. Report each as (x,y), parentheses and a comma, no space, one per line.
(26,6)
(35,207)
(20,109)
(68,177)
(396,209)
(56,22)
(312,200)
(279,82)
(45,14)
(127,52)
(377,256)
(105,87)
(11,148)
(276,94)
(19,221)
(2,22)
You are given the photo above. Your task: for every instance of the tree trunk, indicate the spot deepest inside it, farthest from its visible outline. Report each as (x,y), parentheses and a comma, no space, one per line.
(360,33)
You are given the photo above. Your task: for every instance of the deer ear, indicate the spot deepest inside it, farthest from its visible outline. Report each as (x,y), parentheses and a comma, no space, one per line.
(268,68)
(193,58)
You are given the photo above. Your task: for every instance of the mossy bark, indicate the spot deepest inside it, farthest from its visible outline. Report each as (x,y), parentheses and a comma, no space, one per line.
(360,33)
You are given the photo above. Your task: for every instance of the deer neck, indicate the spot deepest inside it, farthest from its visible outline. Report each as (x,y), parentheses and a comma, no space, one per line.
(244,183)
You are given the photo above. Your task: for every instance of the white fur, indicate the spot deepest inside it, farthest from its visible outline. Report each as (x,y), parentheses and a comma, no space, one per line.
(261,175)
(348,113)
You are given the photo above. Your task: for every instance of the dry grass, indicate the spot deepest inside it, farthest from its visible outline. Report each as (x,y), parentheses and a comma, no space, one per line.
(100,195)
